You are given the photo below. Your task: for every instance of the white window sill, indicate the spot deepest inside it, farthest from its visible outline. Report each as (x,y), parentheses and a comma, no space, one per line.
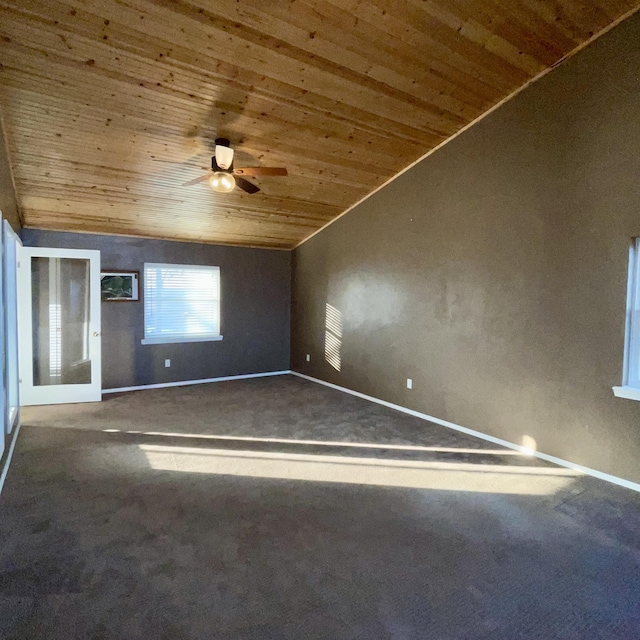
(630,393)
(166,340)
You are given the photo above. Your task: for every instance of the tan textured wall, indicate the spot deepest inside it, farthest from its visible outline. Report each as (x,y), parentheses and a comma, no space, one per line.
(494,272)
(8,199)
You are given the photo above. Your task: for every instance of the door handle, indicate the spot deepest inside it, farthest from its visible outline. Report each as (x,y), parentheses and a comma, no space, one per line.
(96,334)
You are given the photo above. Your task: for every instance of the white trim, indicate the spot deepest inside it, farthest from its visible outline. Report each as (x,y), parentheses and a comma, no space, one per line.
(630,393)
(13,416)
(634,486)
(170,340)
(7,461)
(496,106)
(10,236)
(184,383)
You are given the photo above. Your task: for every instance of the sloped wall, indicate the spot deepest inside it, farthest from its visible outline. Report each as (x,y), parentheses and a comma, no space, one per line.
(494,272)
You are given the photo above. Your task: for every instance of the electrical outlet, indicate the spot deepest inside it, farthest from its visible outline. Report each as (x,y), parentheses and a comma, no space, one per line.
(308,357)
(409,383)
(167,363)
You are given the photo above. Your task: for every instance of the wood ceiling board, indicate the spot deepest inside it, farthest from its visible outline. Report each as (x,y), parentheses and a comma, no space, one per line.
(289,66)
(231,225)
(50,222)
(141,88)
(334,145)
(111,106)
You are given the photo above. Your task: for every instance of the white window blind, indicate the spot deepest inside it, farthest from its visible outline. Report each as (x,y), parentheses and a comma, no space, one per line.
(632,356)
(181,303)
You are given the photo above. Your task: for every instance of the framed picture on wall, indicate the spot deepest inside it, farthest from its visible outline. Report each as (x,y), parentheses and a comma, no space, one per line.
(119,286)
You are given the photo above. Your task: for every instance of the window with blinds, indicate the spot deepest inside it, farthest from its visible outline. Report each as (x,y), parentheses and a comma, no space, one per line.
(632,355)
(630,388)
(181,303)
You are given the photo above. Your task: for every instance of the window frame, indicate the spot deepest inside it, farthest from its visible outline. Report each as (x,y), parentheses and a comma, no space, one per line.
(180,338)
(630,388)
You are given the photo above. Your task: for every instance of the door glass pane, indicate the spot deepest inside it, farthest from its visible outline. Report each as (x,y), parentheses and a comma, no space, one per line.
(60,306)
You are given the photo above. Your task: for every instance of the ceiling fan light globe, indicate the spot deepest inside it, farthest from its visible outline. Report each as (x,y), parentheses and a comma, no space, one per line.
(224,156)
(222,182)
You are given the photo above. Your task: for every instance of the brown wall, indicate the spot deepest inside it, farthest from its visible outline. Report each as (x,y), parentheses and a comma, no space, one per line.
(255,310)
(8,199)
(494,272)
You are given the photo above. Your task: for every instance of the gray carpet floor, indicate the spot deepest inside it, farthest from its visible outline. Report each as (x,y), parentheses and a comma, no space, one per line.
(279,509)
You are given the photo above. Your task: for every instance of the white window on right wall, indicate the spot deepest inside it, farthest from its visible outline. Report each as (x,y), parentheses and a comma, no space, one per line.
(631,374)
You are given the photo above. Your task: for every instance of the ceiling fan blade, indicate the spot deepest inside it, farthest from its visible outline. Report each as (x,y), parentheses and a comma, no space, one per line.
(206,176)
(245,185)
(260,171)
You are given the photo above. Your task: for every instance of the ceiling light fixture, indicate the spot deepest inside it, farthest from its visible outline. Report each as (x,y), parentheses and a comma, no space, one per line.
(222,182)
(223,153)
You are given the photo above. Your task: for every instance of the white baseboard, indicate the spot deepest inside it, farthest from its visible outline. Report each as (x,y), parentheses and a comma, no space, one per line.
(7,460)
(634,486)
(184,383)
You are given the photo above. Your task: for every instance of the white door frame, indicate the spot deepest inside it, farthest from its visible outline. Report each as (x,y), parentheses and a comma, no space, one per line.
(11,304)
(56,394)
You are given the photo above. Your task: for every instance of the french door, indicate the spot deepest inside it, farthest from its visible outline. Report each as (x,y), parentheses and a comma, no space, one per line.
(59,325)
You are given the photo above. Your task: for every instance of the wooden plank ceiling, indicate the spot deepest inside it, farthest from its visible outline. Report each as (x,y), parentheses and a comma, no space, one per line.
(110,105)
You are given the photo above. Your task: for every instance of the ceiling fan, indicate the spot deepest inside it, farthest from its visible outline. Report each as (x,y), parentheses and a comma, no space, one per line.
(224,178)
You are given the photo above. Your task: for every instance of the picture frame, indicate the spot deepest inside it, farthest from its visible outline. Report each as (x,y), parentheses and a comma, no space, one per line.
(119,286)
